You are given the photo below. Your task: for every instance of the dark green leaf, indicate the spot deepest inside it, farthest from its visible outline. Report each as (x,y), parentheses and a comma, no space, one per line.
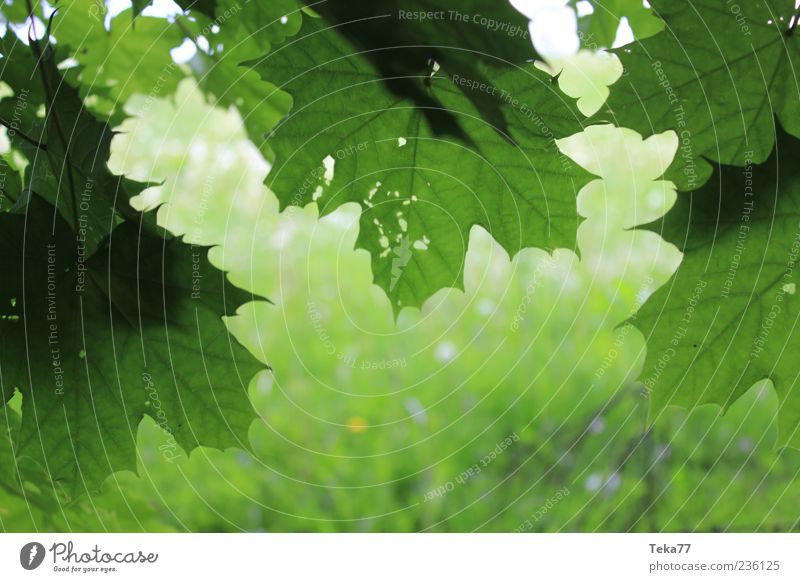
(424,175)
(716,75)
(94,344)
(599,29)
(730,316)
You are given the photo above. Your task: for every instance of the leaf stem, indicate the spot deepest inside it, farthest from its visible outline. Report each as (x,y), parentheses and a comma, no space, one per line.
(25,137)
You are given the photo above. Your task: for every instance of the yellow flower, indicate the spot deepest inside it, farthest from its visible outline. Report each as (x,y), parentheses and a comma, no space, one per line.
(356,424)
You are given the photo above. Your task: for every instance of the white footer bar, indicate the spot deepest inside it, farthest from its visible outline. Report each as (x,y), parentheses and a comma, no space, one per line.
(401,557)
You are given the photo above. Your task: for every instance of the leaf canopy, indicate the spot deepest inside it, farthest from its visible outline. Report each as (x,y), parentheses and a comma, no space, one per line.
(729,316)
(95,343)
(424,163)
(717,75)
(105,317)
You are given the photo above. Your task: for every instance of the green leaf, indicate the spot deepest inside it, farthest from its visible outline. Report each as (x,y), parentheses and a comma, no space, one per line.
(95,345)
(716,75)
(249,30)
(23,478)
(134,58)
(401,39)
(206,7)
(424,174)
(20,111)
(729,316)
(245,32)
(478,30)
(17,10)
(9,427)
(139,5)
(599,29)
(130,57)
(68,167)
